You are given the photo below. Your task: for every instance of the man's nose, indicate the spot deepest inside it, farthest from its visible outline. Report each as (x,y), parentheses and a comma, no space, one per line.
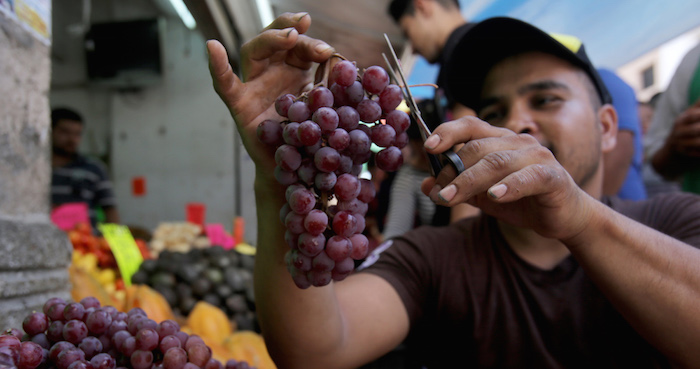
(520,120)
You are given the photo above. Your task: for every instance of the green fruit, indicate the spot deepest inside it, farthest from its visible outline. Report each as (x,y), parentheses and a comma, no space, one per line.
(162,279)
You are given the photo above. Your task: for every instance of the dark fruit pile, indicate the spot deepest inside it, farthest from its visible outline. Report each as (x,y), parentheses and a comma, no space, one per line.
(85,335)
(223,278)
(321,143)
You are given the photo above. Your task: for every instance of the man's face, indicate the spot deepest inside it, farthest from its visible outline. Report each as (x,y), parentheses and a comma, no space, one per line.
(646,113)
(65,136)
(420,33)
(550,99)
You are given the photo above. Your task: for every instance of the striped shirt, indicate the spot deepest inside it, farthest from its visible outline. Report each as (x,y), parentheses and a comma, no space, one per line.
(406,200)
(83,180)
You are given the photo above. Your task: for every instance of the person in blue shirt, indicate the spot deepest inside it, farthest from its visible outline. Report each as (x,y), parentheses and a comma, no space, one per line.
(623,165)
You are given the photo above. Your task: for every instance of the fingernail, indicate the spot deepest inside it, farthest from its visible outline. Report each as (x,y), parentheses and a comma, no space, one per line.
(448,193)
(300,16)
(498,191)
(432,141)
(322,47)
(289,32)
(206,46)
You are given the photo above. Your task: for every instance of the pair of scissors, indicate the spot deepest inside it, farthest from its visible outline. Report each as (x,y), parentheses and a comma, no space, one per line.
(448,157)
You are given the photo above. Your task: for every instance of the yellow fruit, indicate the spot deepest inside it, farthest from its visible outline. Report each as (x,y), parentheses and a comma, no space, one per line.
(209,322)
(148,299)
(250,347)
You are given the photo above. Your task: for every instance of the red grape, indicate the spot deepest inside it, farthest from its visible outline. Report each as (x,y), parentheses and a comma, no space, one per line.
(175,358)
(348,118)
(30,355)
(309,133)
(299,112)
(288,158)
(315,222)
(389,159)
(383,135)
(90,302)
(375,79)
(141,359)
(398,120)
(344,224)
(326,118)
(338,247)
(390,98)
(369,111)
(283,103)
(320,97)
(270,132)
(325,181)
(327,159)
(98,322)
(344,73)
(311,245)
(36,323)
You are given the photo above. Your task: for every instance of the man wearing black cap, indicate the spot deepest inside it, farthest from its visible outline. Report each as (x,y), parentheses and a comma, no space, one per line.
(551,275)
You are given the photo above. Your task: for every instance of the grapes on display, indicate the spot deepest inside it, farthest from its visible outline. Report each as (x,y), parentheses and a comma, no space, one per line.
(99,338)
(320,143)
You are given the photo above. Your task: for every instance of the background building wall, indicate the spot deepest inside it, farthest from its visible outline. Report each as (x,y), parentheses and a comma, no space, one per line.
(176,133)
(35,254)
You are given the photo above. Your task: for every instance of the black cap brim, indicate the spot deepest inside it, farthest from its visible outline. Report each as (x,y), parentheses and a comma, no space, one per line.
(495,39)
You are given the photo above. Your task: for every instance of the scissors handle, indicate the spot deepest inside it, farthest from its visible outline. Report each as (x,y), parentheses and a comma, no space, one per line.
(449,157)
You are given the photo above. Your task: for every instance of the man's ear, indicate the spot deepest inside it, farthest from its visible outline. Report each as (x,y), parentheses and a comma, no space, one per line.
(607,116)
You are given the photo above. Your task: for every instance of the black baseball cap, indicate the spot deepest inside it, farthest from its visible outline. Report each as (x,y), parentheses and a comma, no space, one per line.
(495,39)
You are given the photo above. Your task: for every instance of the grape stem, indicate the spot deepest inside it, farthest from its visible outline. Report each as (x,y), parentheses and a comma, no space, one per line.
(424,85)
(336,55)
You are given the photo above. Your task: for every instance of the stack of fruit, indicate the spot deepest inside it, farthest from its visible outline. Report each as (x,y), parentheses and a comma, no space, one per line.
(86,335)
(222,278)
(177,237)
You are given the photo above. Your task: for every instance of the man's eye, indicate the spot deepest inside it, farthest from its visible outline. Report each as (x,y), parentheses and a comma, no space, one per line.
(491,116)
(545,100)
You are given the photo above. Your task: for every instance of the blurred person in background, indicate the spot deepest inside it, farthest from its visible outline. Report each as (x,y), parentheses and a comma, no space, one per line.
(623,165)
(409,207)
(74,177)
(433,28)
(672,144)
(653,181)
(646,112)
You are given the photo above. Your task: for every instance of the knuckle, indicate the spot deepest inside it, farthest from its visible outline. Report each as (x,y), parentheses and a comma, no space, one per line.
(527,139)
(472,148)
(541,153)
(496,160)
(545,174)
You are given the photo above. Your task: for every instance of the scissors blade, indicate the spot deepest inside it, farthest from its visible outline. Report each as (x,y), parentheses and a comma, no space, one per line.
(424,130)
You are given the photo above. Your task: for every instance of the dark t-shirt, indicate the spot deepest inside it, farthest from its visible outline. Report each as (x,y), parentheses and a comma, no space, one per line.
(473,303)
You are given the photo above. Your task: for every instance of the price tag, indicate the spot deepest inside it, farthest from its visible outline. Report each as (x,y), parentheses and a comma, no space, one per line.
(124,248)
(218,236)
(66,216)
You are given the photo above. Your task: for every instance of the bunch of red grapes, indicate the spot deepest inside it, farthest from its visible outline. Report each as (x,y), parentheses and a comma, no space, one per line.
(85,335)
(321,144)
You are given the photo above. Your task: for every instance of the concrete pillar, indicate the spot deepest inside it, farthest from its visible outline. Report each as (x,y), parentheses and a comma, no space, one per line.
(34,254)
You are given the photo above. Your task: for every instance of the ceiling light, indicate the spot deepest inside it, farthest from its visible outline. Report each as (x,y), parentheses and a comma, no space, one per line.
(265,11)
(184,13)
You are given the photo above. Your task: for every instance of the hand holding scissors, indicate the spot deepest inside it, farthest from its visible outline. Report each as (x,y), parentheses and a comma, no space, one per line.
(448,157)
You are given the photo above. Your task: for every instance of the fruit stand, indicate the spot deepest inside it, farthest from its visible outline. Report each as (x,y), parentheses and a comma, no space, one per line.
(188,305)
